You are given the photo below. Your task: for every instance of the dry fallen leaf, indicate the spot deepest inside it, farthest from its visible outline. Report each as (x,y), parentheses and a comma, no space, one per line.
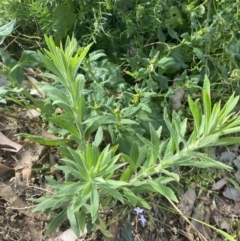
(176,99)
(187,201)
(29,155)
(32,114)
(15,202)
(219,184)
(8,145)
(232,193)
(227,156)
(35,229)
(67,235)
(26,173)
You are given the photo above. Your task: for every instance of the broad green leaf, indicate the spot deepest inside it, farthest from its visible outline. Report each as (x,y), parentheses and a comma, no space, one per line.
(64,124)
(56,222)
(162,189)
(228,107)
(94,123)
(135,200)
(214,118)
(82,173)
(225,141)
(30,58)
(81,176)
(96,55)
(94,203)
(154,137)
(6,30)
(98,137)
(171,174)
(70,189)
(83,52)
(92,155)
(148,143)
(174,135)
(134,155)
(43,206)
(79,202)
(81,219)
(113,192)
(130,112)
(128,122)
(130,161)
(87,189)
(207,106)
(41,140)
(103,228)
(115,184)
(126,174)
(73,221)
(80,159)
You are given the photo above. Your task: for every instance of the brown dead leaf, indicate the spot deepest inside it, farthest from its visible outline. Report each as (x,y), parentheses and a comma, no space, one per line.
(176,99)
(35,229)
(69,235)
(26,173)
(232,193)
(29,155)
(15,202)
(237,176)
(236,208)
(8,145)
(34,89)
(199,214)
(4,169)
(187,201)
(219,184)
(32,114)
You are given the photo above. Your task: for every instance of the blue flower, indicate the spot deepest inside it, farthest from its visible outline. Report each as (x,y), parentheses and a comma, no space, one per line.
(142,219)
(138,210)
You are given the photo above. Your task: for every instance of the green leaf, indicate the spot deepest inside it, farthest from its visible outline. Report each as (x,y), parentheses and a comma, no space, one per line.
(162,189)
(155,137)
(103,228)
(94,123)
(94,203)
(92,155)
(81,220)
(41,140)
(126,174)
(83,52)
(173,132)
(30,58)
(73,221)
(128,122)
(172,33)
(56,222)
(135,200)
(64,124)
(47,204)
(113,192)
(82,176)
(96,55)
(6,30)
(115,184)
(98,137)
(87,189)
(207,107)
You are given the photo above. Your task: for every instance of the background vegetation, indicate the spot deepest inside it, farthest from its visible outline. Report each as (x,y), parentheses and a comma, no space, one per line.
(127,79)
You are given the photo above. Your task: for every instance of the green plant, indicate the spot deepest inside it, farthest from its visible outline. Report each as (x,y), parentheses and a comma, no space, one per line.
(97,177)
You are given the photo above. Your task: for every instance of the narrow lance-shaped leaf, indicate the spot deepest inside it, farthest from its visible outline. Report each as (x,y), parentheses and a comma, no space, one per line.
(207,106)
